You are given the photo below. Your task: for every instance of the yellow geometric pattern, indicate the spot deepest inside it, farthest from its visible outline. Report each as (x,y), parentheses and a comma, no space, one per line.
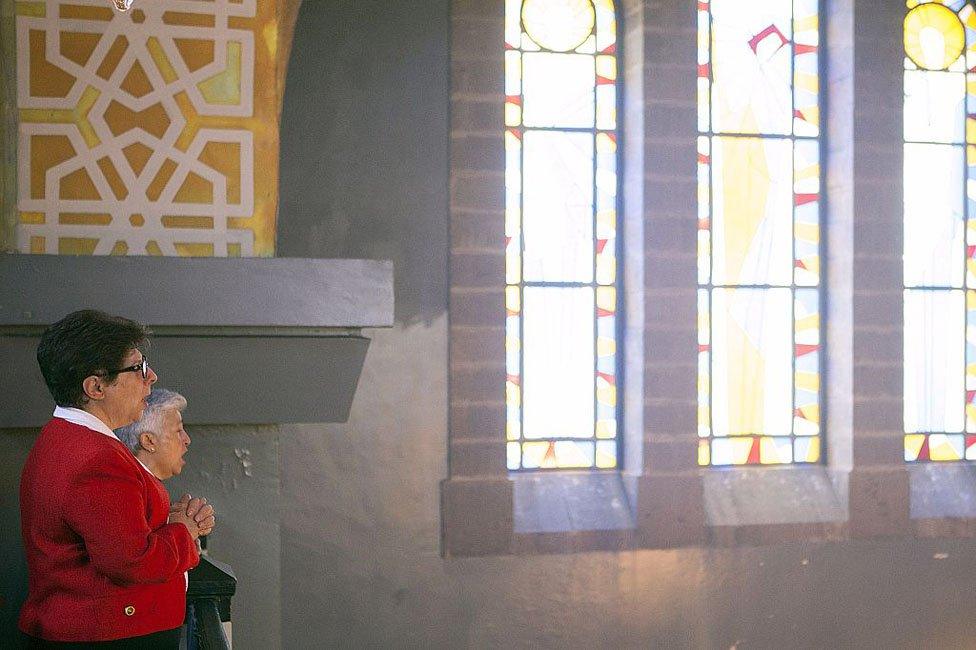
(140,133)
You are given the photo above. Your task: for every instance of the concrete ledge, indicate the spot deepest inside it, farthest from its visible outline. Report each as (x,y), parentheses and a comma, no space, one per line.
(226,380)
(225,292)
(248,341)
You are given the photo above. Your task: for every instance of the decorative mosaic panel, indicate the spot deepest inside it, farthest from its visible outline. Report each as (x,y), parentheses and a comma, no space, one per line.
(758,232)
(140,133)
(561,234)
(940,231)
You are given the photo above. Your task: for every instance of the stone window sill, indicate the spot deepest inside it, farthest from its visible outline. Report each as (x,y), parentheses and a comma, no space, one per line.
(616,511)
(942,491)
(570,502)
(774,495)
(570,512)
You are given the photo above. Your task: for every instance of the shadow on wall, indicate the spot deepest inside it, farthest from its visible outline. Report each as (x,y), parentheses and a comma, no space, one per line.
(14,447)
(360,175)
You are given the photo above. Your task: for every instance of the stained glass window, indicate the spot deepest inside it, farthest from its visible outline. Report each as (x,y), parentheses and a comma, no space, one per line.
(560,232)
(759,339)
(940,231)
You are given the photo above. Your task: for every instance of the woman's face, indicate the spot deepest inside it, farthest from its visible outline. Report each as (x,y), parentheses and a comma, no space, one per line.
(167,460)
(125,398)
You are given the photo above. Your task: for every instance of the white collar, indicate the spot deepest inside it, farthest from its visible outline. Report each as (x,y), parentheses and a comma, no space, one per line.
(85,419)
(144,466)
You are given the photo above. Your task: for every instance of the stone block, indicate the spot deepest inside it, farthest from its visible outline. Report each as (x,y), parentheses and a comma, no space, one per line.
(476,517)
(475,152)
(671,345)
(478,270)
(877,414)
(477,344)
(670,416)
(477,38)
(670,510)
(479,78)
(477,191)
(477,420)
(873,381)
(879,502)
(677,195)
(477,230)
(477,9)
(671,453)
(477,116)
(671,381)
(874,449)
(664,307)
(477,457)
(670,270)
(478,307)
(478,383)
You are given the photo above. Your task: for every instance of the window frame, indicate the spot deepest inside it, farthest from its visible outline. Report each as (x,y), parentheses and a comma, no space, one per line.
(864,490)
(706,284)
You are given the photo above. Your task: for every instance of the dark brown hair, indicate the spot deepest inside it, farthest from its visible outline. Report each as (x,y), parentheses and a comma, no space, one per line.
(82,344)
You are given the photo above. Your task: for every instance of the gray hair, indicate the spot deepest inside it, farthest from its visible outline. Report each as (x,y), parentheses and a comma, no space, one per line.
(159,401)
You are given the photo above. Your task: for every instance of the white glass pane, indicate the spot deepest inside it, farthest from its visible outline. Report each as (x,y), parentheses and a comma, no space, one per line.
(934,215)
(752,211)
(513,455)
(558,362)
(934,358)
(557,226)
(934,110)
(513,15)
(752,66)
(513,72)
(607,106)
(752,367)
(558,89)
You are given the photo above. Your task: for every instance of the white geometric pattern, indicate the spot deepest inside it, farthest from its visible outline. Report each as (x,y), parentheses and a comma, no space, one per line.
(210,104)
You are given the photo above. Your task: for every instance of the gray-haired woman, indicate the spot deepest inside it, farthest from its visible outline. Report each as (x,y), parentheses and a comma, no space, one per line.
(158,440)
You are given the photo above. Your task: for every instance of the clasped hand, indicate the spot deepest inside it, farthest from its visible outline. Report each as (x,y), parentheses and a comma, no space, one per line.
(194,513)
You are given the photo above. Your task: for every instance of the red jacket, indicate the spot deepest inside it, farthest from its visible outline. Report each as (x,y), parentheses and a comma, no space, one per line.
(102,562)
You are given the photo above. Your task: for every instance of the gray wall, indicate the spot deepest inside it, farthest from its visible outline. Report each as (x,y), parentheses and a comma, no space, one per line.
(360,521)
(363,142)
(364,157)
(14,445)
(238,470)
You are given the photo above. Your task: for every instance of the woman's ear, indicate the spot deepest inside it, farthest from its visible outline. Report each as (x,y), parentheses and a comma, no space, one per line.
(93,387)
(147,441)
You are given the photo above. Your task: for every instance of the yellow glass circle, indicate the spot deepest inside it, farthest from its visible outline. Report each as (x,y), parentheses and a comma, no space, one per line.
(558,25)
(934,36)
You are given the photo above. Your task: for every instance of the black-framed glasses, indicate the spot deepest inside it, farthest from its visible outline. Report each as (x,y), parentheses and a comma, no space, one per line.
(142,366)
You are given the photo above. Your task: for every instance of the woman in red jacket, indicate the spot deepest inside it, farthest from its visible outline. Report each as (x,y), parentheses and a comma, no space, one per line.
(105,555)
